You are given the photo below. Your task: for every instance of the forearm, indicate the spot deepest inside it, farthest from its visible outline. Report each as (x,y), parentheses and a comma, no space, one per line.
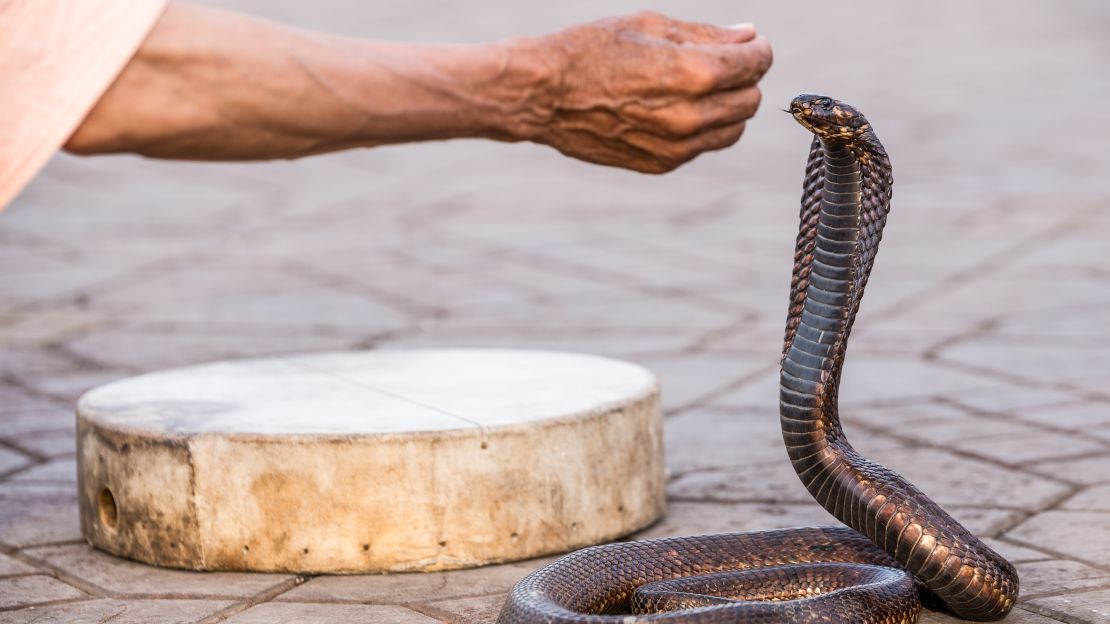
(208,84)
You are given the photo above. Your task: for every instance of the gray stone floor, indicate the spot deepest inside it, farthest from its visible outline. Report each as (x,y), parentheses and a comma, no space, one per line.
(980,367)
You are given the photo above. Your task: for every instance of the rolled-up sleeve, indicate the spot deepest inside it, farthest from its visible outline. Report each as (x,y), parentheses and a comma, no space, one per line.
(57,57)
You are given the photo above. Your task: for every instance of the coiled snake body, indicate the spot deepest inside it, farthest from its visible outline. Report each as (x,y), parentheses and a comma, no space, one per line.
(857,574)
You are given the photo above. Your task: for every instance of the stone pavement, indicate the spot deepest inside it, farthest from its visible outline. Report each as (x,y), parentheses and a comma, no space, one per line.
(979,368)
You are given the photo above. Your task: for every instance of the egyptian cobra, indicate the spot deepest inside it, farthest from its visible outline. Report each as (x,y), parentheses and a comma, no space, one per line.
(901,547)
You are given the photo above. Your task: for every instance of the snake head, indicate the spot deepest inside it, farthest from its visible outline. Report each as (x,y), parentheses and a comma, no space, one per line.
(829,119)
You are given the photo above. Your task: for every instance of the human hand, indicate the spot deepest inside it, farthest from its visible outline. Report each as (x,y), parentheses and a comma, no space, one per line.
(645,92)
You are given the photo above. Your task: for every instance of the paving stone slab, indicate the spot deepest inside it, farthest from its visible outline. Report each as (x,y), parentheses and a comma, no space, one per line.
(1083,417)
(951,479)
(1014,399)
(233,295)
(706,517)
(1017,616)
(873,378)
(1094,498)
(964,428)
(23,591)
(687,378)
(13,567)
(908,417)
(1024,449)
(723,438)
(613,343)
(38,513)
(479,609)
(1092,607)
(14,399)
(411,587)
(67,387)
(1058,575)
(1086,471)
(58,470)
(1016,553)
(297,613)
(49,444)
(12,461)
(119,612)
(694,518)
(1085,369)
(1084,535)
(51,326)
(58,284)
(775,483)
(123,577)
(155,347)
(45,419)
(622,313)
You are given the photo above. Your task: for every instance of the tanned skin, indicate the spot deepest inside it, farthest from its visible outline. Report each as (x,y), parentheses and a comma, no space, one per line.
(643,92)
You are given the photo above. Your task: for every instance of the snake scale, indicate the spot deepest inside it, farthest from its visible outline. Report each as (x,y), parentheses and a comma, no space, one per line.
(898,546)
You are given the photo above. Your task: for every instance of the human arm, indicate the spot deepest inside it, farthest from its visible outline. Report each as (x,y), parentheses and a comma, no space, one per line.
(643,92)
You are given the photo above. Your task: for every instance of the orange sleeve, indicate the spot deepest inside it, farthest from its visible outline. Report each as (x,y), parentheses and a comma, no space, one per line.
(57,57)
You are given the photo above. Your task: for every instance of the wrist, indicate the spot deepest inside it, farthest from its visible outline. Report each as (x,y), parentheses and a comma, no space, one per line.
(527,87)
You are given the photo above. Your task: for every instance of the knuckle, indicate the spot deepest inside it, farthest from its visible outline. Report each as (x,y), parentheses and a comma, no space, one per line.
(768,51)
(684,122)
(648,17)
(764,56)
(685,153)
(753,98)
(733,135)
(672,153)
(700,76)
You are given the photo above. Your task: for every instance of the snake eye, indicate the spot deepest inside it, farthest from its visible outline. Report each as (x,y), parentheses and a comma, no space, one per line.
(825,103)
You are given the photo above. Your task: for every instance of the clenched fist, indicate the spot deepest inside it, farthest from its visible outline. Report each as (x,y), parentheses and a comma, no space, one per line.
(645,92)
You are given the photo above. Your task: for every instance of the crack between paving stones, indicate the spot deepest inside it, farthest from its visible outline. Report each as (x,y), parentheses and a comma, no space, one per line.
(15,447)
(990,264)
(723,390)
(48,603)
(1017,541)
(263,596)
(15,472)
(326,278)
(92,589)
(1067,592)
(1019,380)
(1003,417)
(1059,616)
(1022,607)
(914,442)
(385,603)
(707,339)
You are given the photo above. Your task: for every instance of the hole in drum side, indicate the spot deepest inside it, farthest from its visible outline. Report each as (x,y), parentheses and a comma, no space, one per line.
(109,513)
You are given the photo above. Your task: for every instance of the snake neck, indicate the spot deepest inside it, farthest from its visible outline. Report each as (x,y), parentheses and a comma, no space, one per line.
(830,290)
(843,212)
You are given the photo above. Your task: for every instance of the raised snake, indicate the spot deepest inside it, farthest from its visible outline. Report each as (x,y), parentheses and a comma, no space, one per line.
(831,574)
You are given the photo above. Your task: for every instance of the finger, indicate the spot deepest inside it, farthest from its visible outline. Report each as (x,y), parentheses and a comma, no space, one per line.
(686,118)
(732,66)
(691,32)
(671,153)
(678,31)
(586,147)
